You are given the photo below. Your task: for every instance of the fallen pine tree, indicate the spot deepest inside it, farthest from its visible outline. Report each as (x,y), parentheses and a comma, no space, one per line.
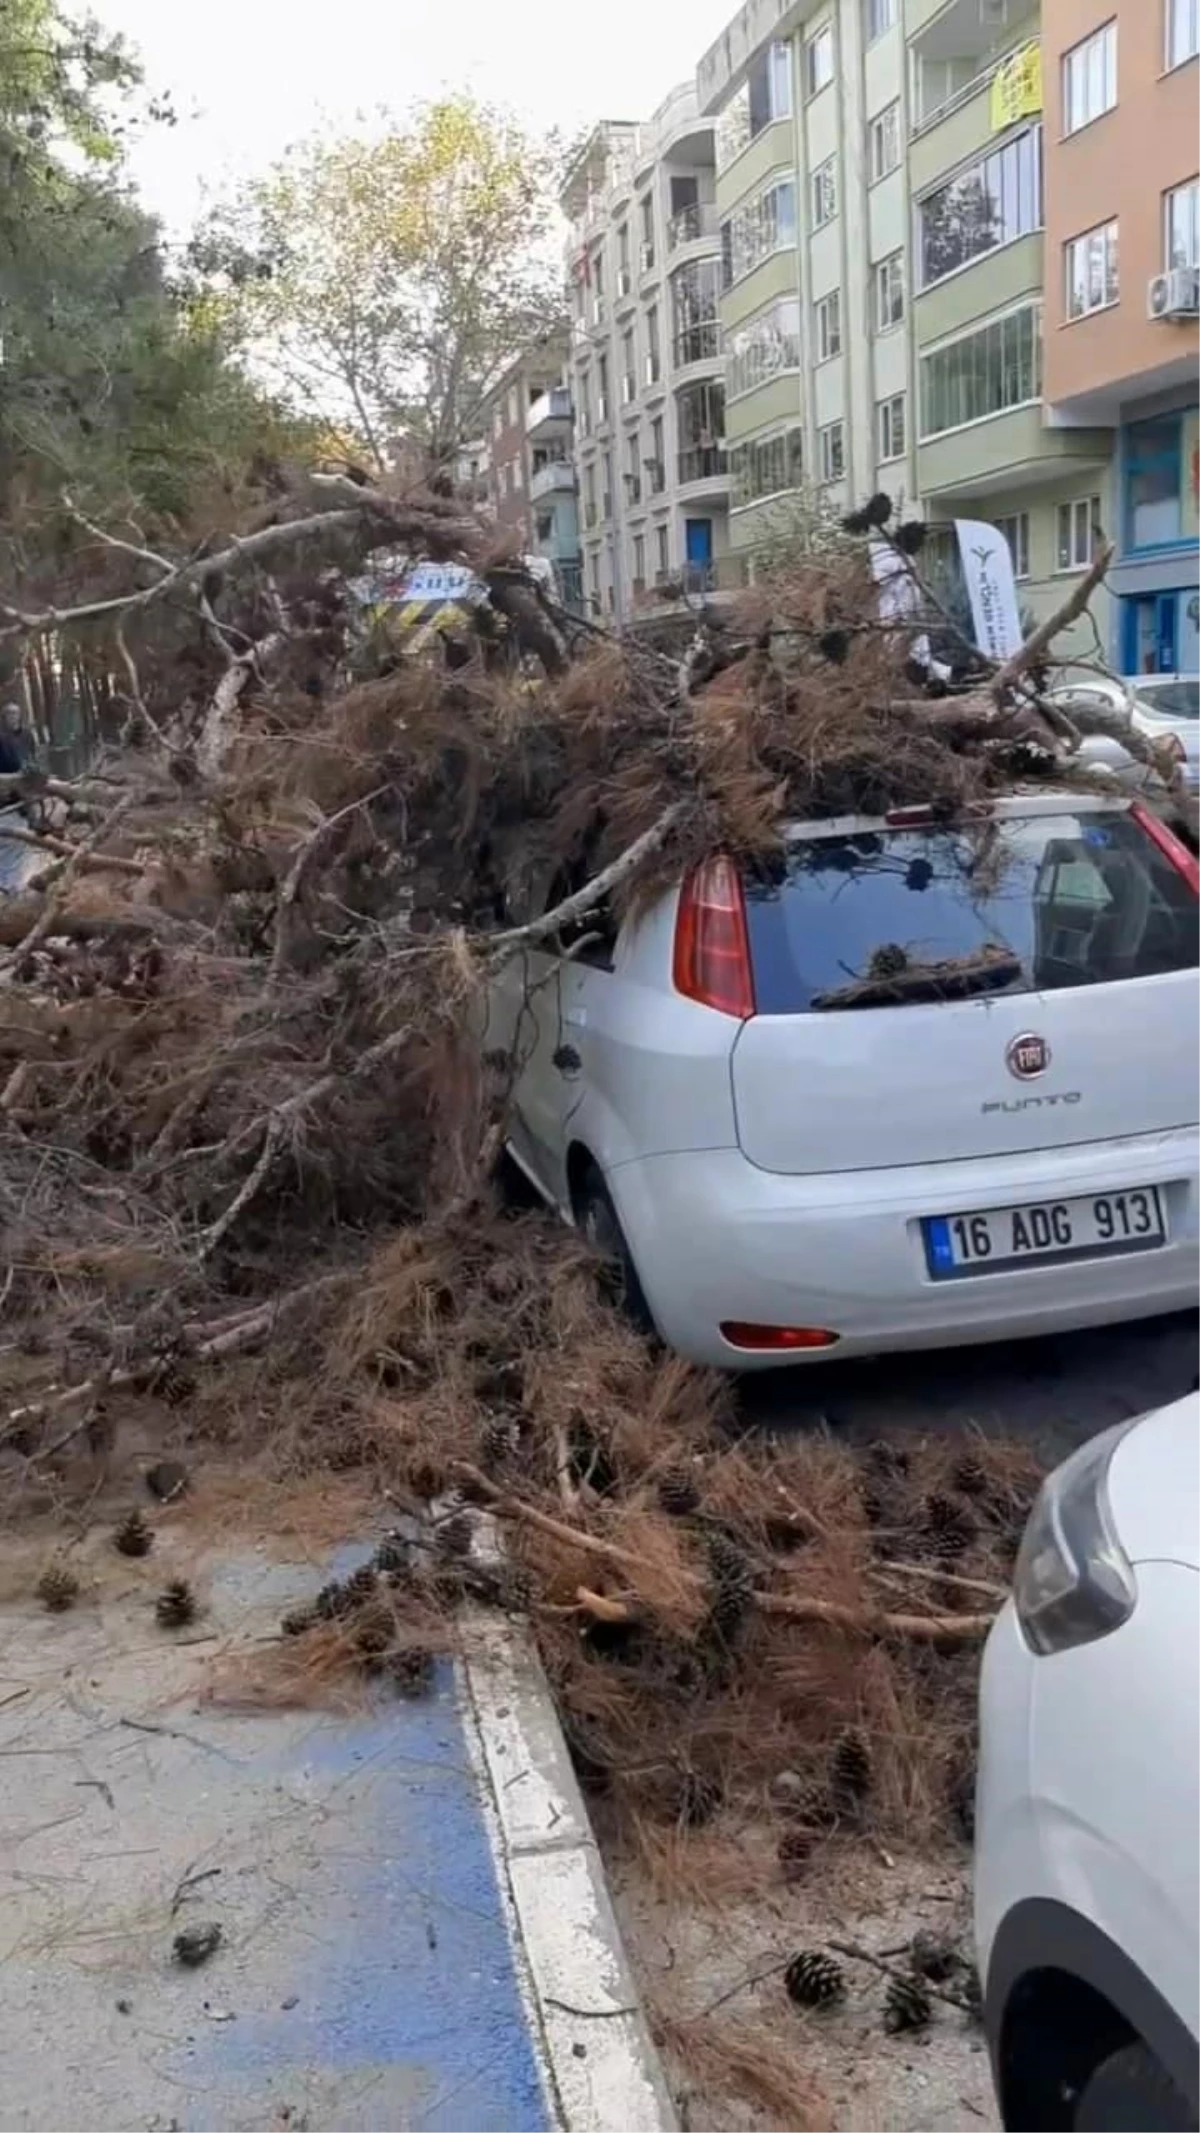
(248,1135)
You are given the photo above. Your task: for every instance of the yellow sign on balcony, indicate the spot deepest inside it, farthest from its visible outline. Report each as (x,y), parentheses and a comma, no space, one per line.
(1017,88)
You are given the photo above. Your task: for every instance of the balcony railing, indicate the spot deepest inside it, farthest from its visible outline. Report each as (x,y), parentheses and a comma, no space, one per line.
(698,219)
(704,462)
(698,344)
(550,411)
(556,476)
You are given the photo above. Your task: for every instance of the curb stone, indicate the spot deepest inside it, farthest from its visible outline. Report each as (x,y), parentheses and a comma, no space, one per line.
(601,2061)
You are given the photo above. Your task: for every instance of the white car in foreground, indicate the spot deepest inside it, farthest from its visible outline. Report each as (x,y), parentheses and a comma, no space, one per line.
(802,1147)
(1087,1866)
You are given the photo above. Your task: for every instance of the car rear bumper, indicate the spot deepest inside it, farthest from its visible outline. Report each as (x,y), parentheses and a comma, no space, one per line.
(717,1240)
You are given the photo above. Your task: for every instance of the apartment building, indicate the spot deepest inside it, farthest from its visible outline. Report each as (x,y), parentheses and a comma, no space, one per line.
(1122,341)
(528,423)
(809,106)
(646,365)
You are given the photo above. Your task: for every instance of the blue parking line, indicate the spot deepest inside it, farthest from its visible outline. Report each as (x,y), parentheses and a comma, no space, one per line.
(387,1992)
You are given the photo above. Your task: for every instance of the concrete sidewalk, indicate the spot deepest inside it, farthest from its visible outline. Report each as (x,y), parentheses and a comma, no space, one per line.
(415,1929)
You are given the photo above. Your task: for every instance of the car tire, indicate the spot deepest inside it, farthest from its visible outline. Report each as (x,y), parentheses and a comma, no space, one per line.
(600,1224)
(1131,2092)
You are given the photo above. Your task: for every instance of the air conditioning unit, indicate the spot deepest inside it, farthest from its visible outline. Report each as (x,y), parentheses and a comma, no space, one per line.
(1175,294)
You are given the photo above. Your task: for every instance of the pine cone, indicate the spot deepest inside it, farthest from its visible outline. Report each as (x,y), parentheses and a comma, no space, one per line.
(906,2005)
(453,1536)
(795,1850)
(167,1480)
(298,1622)
(498,1440)
(969,1475)
(133,1536)
(733,1583)
(411,1672)
(949,1526)
(331,1602)
(813,1979)
(934,1955)
(176,1605)
(57,1588)
(888,1461)
(849,1773)
(677,1493)
(176,1384)
(360,1586)
(393,1558)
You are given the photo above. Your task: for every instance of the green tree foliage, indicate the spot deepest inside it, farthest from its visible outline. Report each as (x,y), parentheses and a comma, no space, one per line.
(115,388)
(387,281)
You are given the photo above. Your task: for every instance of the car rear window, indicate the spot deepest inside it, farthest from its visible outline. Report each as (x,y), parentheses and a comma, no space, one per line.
(1014,904)
(1170,699)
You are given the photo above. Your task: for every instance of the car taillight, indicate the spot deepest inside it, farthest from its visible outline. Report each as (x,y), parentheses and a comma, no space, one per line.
(1183,861)
(712,945)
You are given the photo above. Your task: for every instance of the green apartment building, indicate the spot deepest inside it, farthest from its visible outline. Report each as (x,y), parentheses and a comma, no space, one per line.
(879,191)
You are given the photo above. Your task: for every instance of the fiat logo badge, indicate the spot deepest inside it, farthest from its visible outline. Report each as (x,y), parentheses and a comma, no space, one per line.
(1027,1056)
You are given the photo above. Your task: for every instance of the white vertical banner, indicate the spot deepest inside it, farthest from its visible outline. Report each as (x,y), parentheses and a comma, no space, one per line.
(991,587)
(899,593)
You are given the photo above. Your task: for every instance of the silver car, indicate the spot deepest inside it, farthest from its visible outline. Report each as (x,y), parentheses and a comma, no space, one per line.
(1165,707)
(802,1142)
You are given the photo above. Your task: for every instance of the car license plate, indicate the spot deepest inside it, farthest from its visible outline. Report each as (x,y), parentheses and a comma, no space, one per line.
(1002,1237)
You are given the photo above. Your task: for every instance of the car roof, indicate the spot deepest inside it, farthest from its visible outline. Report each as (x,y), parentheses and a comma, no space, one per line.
(1154,1485)
(1037,800)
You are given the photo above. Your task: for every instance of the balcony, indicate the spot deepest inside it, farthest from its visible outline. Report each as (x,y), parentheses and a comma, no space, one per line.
(692,224)
(697,344)
(550,416)
(703,462)
(554,479)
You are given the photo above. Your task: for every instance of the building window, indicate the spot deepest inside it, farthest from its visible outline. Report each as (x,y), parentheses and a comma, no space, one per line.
(768,466)
(1089,79)
(888,288)
(1016,532)
(765,95)
(984,206)
(883,143)
(997,367)
(824,192)
(832,443)
(662,546)
(594,582)
(1183,31)
(1078,532)
(602,390)
(700,424)
(695,311)
(1182,233)
(878,16)
(656,465)
(1162,480)
(639,562)
(646,212)
(763,348)
(765,225)
(889,427)
(653,350)
(1091,263)
(828,317)
(818,60)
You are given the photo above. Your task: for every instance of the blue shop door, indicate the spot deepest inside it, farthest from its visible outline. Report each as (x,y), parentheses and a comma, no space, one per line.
(1150,634)
(697,538)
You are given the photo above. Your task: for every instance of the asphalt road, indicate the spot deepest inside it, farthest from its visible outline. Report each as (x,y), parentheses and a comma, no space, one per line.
(1057,1392)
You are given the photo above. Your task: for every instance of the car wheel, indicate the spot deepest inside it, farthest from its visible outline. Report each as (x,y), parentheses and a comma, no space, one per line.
(1132,2093)
(600,1224)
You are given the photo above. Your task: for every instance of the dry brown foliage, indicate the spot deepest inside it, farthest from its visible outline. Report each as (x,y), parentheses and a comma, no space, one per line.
(246,1136)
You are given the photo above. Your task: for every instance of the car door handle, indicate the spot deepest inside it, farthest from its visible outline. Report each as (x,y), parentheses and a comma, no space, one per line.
(567,1060)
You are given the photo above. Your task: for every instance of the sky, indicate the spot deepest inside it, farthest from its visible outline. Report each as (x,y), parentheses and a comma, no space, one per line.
(248,76)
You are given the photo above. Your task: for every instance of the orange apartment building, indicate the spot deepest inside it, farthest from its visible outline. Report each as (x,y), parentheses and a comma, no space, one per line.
(1122,271)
